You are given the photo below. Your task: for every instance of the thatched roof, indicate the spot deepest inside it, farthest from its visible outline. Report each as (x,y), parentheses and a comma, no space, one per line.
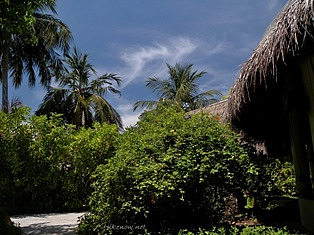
(256,100)
(287,36)
(218,109)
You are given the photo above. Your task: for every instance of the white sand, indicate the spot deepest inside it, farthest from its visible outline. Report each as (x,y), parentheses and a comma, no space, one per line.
(48,223)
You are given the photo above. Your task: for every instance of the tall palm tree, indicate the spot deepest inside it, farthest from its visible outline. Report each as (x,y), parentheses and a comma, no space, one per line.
(21,53)
(181,88)
(80,98)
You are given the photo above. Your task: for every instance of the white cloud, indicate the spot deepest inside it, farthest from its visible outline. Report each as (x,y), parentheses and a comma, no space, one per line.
(125,109)
(144,61)
(130,120)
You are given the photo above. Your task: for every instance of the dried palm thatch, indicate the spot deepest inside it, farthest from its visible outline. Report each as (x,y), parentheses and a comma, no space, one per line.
(290,34)
(218,109)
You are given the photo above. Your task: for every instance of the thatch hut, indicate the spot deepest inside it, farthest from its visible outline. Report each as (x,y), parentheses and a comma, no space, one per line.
(273,97)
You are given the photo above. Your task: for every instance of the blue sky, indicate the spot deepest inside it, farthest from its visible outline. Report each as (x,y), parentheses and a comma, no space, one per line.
(136,38)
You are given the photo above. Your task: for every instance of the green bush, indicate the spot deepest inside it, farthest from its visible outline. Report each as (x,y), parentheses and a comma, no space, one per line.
(275,178)
(89,148)
(15,140)
(169,172)
(46,165)
(257,230)
(283,177)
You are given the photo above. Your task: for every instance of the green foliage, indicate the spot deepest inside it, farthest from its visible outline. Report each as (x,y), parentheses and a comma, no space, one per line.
(275,178)
(257,230)
(169,172)
(46,165)
(14,142)
(283,177)
(17,16)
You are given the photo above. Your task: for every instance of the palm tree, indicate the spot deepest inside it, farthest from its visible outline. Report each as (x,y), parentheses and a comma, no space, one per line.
(181,88)
(21,53)
(79,98)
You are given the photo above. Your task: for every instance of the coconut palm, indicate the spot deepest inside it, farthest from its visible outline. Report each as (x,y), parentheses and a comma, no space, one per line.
(80,98)
(22,55)
(181,88)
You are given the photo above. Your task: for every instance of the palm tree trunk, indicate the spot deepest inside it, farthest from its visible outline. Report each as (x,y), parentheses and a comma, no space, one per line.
(83,119)
(5,77)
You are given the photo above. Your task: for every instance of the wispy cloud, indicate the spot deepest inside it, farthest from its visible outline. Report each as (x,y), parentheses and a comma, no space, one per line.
(144,61)
(125,109)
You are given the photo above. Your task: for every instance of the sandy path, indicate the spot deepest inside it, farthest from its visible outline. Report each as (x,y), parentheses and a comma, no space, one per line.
(48,223)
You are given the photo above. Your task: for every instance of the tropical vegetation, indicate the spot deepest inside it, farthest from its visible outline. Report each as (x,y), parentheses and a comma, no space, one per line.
(171,173)
(181,88)
(79,96)
(246,230)
(30,42)
(46,165)
(161,174)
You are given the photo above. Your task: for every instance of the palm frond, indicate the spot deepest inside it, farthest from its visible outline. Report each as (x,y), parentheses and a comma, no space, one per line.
(104,112)
(149,104)
(103,84)
(81,70)
(210,93)
(163,88)
(29,68)
(47,5)
(52,32)
(110,77)
(15,103)
(53,35)
(53,101)
(204,99)
(16,64)
(112,90)
(195,75)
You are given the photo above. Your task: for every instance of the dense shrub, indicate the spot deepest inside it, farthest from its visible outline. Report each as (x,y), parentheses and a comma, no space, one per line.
(257,230)
(275,178)
(15,139)
(282,177)
(46,165)
(169,172)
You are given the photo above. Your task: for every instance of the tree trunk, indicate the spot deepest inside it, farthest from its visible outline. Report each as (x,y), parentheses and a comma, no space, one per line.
(5,77)
(83,119)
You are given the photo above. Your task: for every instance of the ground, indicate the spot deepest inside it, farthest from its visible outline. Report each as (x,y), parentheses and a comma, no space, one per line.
(50,224)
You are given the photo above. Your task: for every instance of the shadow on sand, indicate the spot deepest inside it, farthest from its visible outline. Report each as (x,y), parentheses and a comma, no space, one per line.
(46,228)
